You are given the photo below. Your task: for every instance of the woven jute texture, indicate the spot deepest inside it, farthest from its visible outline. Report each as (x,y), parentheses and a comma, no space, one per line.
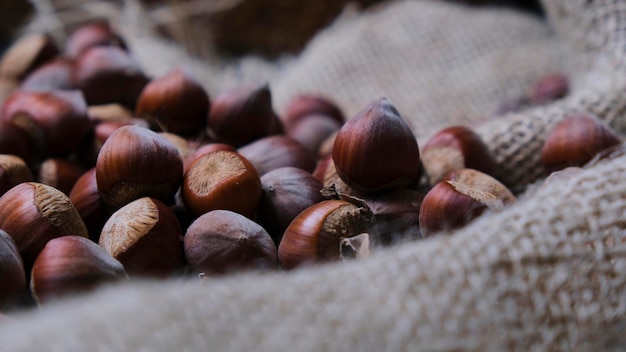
(547,273)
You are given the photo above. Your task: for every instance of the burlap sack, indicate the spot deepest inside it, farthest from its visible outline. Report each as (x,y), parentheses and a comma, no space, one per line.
(547,273)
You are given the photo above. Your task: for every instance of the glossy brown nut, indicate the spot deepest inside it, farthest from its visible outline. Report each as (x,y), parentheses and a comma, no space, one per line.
(273,152)
(222,180)
(26,54)
(315,235)
(450,205)
(109,112)
(576,140)
(376,150)
(287,191)
(175,103)
(223,241)
(145,237)
(15,141)
(483,182)
(87,36)
(135,162)
(88,203)
(56,121)
(60,173)
(310,104)
(548,88)
(242,115)
(70,265)
(454,148)
(54,75)
(33,213)
(13,283)
(313,130)
(13,171)
(109,75)
(206,149)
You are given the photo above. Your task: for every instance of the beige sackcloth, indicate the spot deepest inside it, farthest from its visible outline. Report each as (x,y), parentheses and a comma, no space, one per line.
(547,273)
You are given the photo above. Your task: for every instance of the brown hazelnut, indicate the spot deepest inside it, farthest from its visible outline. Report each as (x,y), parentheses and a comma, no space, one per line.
(26,54)
(70,265)
(33,213)
(109,75)
(273,152)
(222,241)
(135,162)
(484,182)
(175,103)
(110,112)
(87,36)
(205,149)
(242,115)
(453,148)
(54,75)
(88,203)
(446,207)
(313,130)
(316,234)
(302,105)
(15,141)
(376,150)
(60,173)
(13,171)
(221,180)
(548,88)
(56,121)
(145,236)
(13,283)
(287,191)
(575,140)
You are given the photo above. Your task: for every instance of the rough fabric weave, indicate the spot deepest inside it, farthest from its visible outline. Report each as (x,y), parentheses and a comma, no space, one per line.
(548,273)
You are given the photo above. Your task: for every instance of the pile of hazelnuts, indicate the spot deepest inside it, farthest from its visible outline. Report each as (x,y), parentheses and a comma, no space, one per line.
(107,174)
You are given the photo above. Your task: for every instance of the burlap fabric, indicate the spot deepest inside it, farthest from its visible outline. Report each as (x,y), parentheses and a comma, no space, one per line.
(547,273)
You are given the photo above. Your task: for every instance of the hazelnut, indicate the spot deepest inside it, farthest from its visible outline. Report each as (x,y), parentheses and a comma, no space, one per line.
(70,265)
(54,75)
(60,173)
(109,75)
(484,182)
(87,36)
(26,54)
(459,199)
(453,148)
(145,236)
(548,88)
(56,121)
(287,191)
(316,234)
(221,180)
(575,140)
(13,283)
(110,112)
(13,171)
(273,152)
(176,102)
(15,141)
(376,150)
(313,130)
(206,149)
(302,105)
(223,241)
(88,203)
(135,162)
(33,213)
(242,115)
